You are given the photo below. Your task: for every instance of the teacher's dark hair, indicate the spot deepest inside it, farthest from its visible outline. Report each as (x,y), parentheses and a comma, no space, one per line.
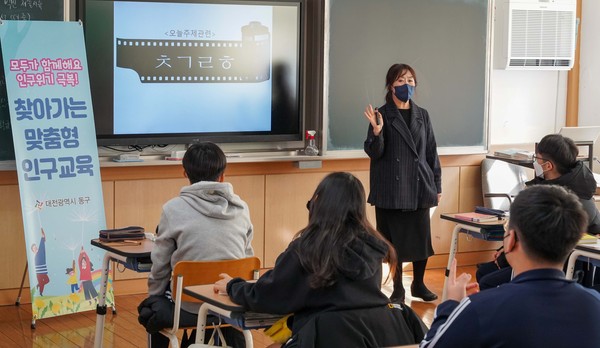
(337,217)
(394,72)
(204,162)
(549,221)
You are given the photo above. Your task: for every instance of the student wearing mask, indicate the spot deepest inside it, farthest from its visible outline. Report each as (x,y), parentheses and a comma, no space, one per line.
(538,307)
(555,163)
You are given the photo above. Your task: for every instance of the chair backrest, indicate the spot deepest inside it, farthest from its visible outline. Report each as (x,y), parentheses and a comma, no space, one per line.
(503,178)
(207,272)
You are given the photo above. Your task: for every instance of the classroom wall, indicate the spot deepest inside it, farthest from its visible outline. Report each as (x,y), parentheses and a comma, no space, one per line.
(525,105)
(589,75)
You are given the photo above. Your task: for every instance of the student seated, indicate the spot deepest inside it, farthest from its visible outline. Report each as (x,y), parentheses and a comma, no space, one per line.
(207,221)
(555,163)
(539,307)
(330,277)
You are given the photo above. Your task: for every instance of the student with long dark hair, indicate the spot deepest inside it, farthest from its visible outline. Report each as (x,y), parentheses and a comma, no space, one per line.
(330,277)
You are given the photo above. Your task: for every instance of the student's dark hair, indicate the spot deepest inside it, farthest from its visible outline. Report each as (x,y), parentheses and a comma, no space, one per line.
(337,217)
(204,162)
(394,72)
(549,221)
(560,150)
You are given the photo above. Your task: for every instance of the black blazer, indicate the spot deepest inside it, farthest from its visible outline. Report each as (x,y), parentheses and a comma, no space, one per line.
(405,168)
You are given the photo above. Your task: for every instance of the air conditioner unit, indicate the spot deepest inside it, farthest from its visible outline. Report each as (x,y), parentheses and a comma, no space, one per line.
(535,34)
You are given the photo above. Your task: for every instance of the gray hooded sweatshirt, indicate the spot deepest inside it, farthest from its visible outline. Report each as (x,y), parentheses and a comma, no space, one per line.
(206,222)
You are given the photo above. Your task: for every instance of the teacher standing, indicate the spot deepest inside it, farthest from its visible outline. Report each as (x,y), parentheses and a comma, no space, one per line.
(405,176)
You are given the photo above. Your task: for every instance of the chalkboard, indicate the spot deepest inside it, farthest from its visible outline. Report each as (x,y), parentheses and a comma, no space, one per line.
(443,40)
(21,10)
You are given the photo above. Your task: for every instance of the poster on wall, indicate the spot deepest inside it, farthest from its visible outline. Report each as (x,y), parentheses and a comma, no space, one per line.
(50,10)
(57,164)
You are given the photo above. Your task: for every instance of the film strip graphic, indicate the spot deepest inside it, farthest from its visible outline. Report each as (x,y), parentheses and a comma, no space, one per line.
(199,61)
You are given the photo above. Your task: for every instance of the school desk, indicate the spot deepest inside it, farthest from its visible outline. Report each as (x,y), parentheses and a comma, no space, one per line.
(134,255)
(490,231)
(591,251)
(221,304)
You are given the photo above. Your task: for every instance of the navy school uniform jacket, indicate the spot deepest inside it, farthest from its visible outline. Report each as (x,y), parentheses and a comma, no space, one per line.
(405,169)
(538,308)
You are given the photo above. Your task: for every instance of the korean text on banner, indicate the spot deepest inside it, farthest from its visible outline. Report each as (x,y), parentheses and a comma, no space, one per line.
(56,156)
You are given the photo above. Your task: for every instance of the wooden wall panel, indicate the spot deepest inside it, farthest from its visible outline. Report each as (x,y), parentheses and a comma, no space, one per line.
(12,249)
(139,203)
(283,221)
(441,230)
(285,209)
(108,192)
(251,189)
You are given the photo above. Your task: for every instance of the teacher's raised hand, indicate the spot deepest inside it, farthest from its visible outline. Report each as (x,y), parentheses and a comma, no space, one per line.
(375,119)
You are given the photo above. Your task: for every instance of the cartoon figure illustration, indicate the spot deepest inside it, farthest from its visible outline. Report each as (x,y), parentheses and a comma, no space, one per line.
(72,280)
(85,275)
(41,269)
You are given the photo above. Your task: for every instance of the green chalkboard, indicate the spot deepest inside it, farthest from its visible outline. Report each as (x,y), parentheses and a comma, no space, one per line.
(51,10)
(443,40)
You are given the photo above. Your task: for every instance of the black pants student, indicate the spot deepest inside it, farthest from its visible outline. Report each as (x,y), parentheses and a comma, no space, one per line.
(156,313)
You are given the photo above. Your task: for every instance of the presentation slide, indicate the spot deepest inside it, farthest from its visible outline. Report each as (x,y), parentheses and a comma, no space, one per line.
(191,68)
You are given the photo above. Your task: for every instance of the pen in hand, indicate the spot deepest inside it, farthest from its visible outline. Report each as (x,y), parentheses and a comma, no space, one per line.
(377,117)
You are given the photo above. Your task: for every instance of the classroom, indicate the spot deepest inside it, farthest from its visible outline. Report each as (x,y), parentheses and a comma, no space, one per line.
(514,108)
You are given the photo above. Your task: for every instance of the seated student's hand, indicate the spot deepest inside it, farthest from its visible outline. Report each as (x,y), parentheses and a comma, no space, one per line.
(497,254)
(457,287)
(472,288)
(221,285)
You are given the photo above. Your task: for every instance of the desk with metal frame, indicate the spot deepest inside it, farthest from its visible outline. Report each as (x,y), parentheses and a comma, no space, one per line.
(586,250)
(527,163)
(220,304)
(479,230)
(125,253)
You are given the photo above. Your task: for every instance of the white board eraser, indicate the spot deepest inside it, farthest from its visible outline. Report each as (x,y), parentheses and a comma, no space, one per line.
(129,157)
(177,154)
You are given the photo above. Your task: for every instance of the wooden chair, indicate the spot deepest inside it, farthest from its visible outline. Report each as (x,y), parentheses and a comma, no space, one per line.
(188,273)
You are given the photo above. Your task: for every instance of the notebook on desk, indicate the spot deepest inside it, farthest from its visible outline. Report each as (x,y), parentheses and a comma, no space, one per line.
(476,217)
(588,239)
(491,211)
(516,154)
